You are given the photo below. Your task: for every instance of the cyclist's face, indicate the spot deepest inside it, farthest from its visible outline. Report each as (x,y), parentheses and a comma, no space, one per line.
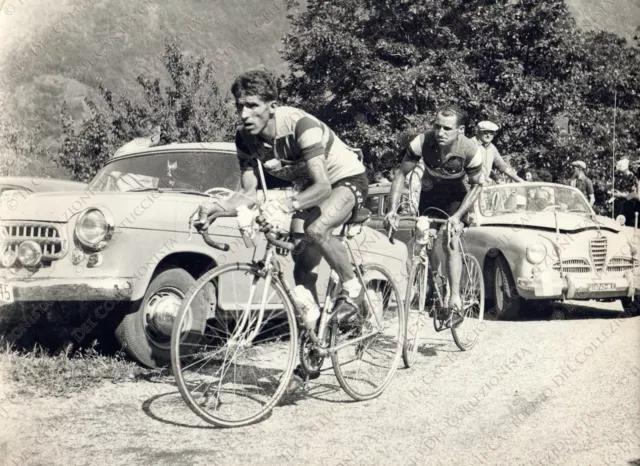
(254,112)
(447,129)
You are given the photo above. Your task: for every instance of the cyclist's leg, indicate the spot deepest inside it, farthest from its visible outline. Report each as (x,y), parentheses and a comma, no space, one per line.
(346,196)
(307,257)
(453,255)
(333,212)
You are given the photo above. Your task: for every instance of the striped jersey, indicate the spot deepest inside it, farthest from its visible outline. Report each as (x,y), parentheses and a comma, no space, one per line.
(299,137)
(464,158)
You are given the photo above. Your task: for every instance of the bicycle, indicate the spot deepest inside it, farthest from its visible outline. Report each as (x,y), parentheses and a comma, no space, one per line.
(232,371)
(429,288)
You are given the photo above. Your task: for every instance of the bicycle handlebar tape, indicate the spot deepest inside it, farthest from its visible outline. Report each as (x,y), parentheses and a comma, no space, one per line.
(214,244)
(279,243)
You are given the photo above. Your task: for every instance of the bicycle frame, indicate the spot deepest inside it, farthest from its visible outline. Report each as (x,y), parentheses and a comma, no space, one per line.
(271,270)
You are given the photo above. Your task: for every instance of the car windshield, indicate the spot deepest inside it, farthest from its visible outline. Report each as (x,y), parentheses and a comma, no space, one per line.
(512,197)
(180,171)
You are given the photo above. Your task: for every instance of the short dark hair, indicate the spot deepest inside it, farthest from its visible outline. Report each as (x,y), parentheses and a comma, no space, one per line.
(256,82)
(453,110)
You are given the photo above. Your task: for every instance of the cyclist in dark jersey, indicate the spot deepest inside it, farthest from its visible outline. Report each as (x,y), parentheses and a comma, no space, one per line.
(448,156)
(295,146)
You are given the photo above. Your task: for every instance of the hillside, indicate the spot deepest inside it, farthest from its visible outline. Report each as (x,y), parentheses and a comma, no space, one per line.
(52,51)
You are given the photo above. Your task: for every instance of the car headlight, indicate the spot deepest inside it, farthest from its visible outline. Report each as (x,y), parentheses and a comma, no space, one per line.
(29,253)
(536,253)
(94,228)
(621,219)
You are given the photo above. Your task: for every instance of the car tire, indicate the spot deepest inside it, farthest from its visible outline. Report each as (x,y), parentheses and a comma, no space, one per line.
(631,306)
(140,334)
(507,304)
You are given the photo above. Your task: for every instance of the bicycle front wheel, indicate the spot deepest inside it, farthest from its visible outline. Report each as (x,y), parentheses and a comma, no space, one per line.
(235,370)
(414,312)
(366,361)
(467,326)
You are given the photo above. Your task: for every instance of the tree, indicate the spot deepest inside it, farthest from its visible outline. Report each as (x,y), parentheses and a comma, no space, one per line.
(191,108)
(376,70)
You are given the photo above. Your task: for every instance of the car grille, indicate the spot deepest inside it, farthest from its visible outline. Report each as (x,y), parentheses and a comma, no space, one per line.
(46,235)
(598,251)
(573,266)
(622,264)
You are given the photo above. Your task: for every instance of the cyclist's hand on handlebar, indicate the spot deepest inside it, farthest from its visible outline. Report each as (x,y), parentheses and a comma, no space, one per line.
(275,212)
(202,217)
(391,221)
(454,225)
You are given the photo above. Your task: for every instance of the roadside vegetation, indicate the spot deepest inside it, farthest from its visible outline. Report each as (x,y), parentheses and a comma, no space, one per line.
(37,372)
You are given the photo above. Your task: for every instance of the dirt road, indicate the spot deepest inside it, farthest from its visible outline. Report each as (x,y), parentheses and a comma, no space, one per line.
(538,392)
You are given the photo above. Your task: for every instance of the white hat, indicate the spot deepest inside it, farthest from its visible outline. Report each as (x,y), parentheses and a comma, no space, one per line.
(579,163)
(622,165)
(487,125)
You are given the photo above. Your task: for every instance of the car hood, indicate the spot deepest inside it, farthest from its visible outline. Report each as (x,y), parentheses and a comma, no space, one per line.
(148,209)
(567,222)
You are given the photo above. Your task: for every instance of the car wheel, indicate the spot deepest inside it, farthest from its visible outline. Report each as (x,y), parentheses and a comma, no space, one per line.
(631,305)
(145,334)
(506,302)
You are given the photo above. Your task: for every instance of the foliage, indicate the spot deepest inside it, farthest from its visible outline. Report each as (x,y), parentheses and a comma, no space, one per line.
(190,108)
(376,70)
(19,150)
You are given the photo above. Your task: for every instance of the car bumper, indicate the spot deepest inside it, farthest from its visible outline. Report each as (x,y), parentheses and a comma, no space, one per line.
(56,289)
(578,286)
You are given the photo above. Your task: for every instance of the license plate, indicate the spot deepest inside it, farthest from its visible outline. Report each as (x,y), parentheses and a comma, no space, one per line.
(602,286)
(6,293)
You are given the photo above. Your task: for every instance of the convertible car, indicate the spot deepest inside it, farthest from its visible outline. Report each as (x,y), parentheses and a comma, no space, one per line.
(121,250)
(543,241)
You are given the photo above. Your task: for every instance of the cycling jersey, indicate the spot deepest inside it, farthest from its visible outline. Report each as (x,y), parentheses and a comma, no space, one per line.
(299,137)
(465,157)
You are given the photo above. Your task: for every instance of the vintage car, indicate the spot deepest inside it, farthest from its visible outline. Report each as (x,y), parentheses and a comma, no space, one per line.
(123,248)
(543,242)
(15,188)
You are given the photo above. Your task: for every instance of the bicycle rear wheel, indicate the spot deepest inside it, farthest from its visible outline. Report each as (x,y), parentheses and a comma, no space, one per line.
(366,367)
(466,332)
(414,311)
(234,371)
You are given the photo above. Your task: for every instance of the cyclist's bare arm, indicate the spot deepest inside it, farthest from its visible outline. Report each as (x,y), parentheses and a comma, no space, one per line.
(505,168)
(246,196)
(476,181)
(397,185)
(320,187)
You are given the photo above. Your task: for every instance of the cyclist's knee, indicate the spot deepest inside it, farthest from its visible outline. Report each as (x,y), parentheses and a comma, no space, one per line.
(317,233)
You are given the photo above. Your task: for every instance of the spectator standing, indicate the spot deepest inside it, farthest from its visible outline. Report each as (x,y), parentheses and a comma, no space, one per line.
(625,192)
(581,181)
(485,132)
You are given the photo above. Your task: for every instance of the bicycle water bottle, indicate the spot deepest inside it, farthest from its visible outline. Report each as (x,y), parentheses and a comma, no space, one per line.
(307,306)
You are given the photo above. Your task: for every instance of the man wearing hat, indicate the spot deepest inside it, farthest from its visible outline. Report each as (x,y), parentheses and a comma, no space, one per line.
(581,181)
(625,192)
(485,131)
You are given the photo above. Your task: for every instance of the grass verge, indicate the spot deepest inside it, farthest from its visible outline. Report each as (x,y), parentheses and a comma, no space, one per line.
(37,372)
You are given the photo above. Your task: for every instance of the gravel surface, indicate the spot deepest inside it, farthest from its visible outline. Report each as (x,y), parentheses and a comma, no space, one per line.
(538,392)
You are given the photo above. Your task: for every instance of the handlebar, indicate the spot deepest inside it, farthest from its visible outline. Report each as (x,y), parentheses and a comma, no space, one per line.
(271,237)
(207,237)
(392,230)
(260,220)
